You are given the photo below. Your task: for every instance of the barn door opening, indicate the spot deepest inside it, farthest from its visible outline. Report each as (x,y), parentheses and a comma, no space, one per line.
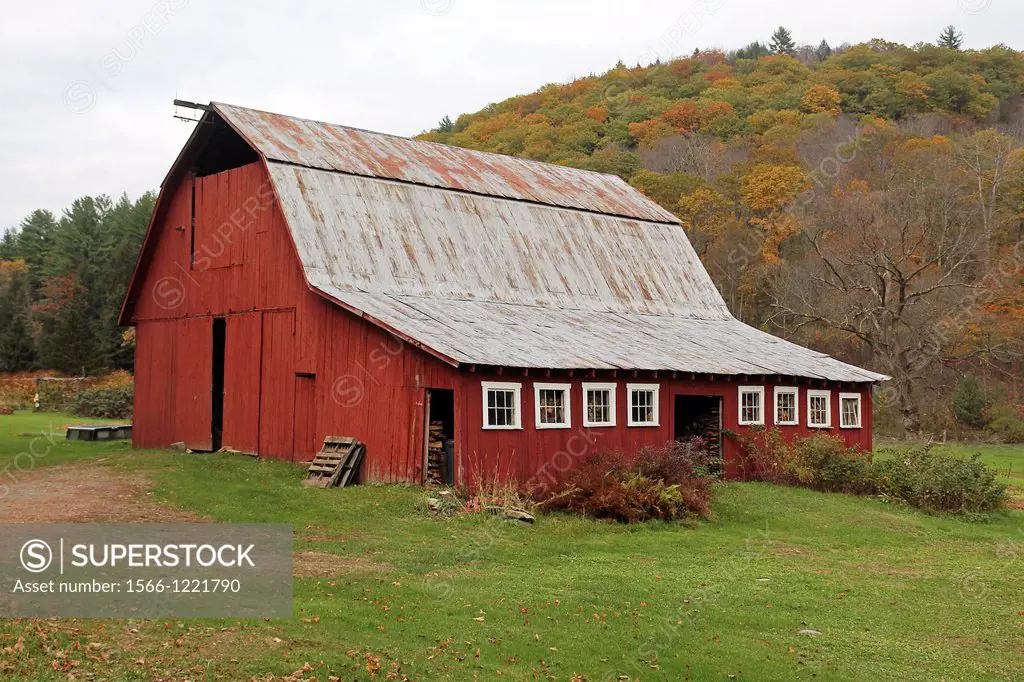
(699,415)
(217,390)
(440,436)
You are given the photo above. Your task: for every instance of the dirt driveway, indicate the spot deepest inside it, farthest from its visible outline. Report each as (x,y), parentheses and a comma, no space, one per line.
(80,493)
(84,492)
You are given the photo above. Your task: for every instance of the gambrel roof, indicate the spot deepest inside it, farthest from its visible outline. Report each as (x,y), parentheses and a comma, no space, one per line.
(488,259)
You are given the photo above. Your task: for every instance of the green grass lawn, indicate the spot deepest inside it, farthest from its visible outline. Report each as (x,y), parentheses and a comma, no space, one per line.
(896,594)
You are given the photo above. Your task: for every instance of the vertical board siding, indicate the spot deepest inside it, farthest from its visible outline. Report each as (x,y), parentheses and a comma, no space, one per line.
(193,381)
(244,267)
(256,268)
(154,421)
(277,385)
(214,246)
(305,445)
(242,353)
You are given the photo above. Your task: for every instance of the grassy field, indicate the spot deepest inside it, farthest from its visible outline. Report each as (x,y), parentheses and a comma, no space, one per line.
(895,594)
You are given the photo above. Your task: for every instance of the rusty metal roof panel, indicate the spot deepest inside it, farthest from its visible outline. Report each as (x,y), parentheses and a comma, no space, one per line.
(381,236)
(489,281)
(327,146)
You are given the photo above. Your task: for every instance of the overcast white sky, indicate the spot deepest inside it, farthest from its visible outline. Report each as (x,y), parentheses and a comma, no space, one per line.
(87,87)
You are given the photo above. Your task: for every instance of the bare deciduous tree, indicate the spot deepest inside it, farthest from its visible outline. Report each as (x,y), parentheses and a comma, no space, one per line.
(699,155)
(987,156)
(893,266)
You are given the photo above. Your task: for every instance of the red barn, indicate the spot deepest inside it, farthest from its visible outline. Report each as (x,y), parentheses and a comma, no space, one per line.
(302,279)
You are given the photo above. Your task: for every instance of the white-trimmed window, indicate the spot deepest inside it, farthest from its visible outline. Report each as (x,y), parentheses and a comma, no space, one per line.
(751,405)
(787,402)
(552,406)
(643,404)
(599,404)
(502,405)
(819,409)
(849,410)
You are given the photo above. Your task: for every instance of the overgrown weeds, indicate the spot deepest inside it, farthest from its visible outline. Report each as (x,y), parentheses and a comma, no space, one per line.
(486,496)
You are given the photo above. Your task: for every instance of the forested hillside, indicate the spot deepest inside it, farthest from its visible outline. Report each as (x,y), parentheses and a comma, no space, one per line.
(62,281)
(866,200)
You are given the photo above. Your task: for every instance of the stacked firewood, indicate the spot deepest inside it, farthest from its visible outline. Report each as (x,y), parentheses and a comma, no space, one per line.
(435,454)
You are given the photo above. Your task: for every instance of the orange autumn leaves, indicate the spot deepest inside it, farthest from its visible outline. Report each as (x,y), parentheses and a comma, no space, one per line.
(682,118)
(767,191)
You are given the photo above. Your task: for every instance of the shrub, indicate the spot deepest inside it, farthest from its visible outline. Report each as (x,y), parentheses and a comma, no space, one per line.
(924,479)
(918,477)
(670,482)
(1006,422)
(766,457)
(970,403)
(105,403)
(819,462)
(677,462)
(18,390)
(825,463)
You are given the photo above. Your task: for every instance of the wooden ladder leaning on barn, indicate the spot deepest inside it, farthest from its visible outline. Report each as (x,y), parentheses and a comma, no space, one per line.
(336,464)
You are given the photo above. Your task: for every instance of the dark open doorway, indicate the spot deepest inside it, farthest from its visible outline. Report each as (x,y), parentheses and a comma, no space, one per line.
(440,440)
(699,415)
(217,402)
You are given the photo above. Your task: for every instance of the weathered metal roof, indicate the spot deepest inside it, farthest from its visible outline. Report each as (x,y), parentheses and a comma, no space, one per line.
(489,281)
(359,152)
(386,237)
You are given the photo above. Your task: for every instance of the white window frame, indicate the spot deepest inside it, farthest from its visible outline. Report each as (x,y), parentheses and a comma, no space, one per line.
(634,388)
(516,388)
(787,390)
(827,395)
(750,389)
(612,390)
(860,413)
(566,390)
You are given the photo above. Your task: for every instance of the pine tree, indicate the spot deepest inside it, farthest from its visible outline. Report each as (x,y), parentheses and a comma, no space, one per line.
(9,245)
(782,42)
(823,51)
(32,243)
(17,352)
(970,403)
(123,229)
(66,341)
(951,38)
(17,349)
(753,50)
(446,125)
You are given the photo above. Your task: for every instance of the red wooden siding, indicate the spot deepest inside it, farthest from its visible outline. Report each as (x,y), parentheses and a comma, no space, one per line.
(243,350)
(154,391)
(305,416)
(217,233)
(540,455)
(277,385)
(244,270)
(193,377)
